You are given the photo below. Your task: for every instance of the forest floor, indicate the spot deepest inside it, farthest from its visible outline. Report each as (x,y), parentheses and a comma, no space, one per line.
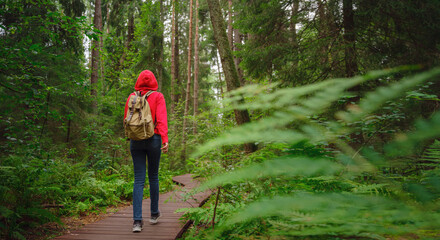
(71,223)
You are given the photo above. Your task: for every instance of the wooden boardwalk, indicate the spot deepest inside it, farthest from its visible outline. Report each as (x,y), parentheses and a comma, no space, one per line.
(119,225)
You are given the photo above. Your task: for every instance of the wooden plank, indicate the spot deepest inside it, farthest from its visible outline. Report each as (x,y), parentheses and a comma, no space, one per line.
(119,225)
(183,179)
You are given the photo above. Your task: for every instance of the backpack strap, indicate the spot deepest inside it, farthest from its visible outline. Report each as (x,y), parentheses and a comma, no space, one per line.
(132,106)
(146,96)
(149,93)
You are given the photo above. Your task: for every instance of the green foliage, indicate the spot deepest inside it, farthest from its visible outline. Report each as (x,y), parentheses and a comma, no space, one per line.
(325,187)
(41,72)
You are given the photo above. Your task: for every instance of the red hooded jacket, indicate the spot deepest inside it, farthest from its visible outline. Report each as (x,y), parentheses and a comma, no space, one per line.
(146,82)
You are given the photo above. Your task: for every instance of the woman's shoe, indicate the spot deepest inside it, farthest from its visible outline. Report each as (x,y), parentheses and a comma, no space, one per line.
(137,225)
(154,218)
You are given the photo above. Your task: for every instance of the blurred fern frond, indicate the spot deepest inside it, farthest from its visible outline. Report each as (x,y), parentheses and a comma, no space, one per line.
(288,96)
(345,214)
(298,105)
(375,99)
(290,166)
(376,204)
(405,143)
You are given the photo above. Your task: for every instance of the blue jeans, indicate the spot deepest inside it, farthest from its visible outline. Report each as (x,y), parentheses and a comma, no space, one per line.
(140,151)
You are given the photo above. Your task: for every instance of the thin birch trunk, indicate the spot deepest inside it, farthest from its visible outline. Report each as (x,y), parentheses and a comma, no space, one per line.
(188,84)
(196,69)
(219,76)
(173,57)
(160,62)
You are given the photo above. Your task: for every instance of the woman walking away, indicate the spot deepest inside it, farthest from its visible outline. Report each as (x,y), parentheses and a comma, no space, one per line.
(146,147)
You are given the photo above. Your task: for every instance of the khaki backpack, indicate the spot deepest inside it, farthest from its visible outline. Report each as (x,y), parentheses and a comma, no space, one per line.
(138,123)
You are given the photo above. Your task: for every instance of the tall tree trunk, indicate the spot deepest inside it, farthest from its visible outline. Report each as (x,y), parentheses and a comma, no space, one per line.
(90,17)
(237,60)
(293,21)
(130,36)
(69,123)
(349,38)
(236,41)
(323,32)
(294,38)
(174,57)
(231,75)
(130,31)
(108,17)
(104,88)
(160,62)
(350,54)
(97,22)
(102,72)
(196,69)
(219,76)
(230,31)
(188,83)
(175,80)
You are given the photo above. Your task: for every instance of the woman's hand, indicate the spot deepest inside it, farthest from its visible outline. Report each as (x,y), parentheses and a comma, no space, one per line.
(165,148)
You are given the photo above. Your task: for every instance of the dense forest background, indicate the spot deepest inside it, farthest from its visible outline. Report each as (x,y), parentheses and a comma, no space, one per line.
(318,118)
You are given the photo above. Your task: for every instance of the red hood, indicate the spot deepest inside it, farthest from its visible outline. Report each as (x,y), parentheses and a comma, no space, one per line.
(146,81)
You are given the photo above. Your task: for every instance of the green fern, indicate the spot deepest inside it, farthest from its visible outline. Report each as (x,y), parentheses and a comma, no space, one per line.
(374,100)
(360,209)
(371,189)
(431,156)
(338,214)
(298,104)
(290,166)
